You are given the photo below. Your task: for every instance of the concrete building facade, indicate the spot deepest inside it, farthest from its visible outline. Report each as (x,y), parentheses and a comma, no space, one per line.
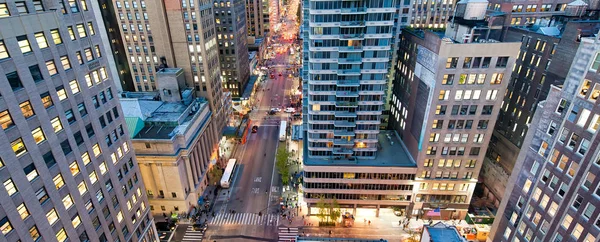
(446,97)
(553,193)
(173,33)
(176,142)
(257,18)
(542,62)
(230,19)
(68,170)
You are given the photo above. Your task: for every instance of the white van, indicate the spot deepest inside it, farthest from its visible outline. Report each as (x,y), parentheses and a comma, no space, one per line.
(290,110)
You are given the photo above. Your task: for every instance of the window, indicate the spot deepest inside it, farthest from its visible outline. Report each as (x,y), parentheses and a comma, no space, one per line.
(42,195)
(444,94)
(52,216)
(58,181)
(56,124)
(82,110)
(24,44)
(487,109)
(18,147)
(30,172)
(451,63)
(51,67)
(467,62)
(70,117)
(502,62)
(4,11)
(74,168)
(67,201)
(62,94)
(81,31)
(61,235)
(55,34)
(36,74)
(74,86)
(97,150)
(21,7)
(38,135)
(596,63)
(93,177)
(14,80)
(41,40)
(26,109)
(82,188)
(71,32)
(85,157)
(64,61)
(91,28)
(10,187)
(3,52)
(6,120)
(5,226)
(49,159)
(584,146)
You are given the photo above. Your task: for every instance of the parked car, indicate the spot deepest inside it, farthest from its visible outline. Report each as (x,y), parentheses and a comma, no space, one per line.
(254,129)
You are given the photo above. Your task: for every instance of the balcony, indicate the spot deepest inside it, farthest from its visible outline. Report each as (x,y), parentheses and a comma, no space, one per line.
(342,151)
(346,94)
(348,83)
(343,141)
(350,48)
(352,23)
(345,114)
(354,10)
(352,36)
(349,60)
(343,133)
(349,72)
(344,124)
(346,104)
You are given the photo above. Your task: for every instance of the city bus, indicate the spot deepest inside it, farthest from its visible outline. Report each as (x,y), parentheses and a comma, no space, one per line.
(228,173)
(282,130)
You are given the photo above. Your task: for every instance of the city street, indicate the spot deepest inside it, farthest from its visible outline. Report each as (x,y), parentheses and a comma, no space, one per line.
(256,185)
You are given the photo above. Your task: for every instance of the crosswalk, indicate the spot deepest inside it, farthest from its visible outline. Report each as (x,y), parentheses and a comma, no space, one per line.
(191,235)
(287,234)
(244,218)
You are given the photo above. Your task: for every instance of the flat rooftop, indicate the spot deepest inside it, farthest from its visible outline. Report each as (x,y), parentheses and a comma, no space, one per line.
(391,152)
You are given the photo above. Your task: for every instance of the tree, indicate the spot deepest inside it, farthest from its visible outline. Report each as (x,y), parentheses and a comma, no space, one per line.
(282,164)
(215,174)
(334,210)
(322,208)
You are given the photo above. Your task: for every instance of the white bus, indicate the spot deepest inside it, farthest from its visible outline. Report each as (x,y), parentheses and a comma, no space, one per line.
(282,130)
(228,173)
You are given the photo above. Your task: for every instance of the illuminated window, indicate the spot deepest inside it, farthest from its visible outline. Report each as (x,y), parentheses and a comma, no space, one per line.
(58,181)
(61,235)
(40,38)
(56,36)
(52,216)
(56,124)
(23,212)
(74,86)
(51,67)
(18,147)
(23,44)
(82,188)
(85,157)
(3,52)
(5,119)
(97,150)
(81,31)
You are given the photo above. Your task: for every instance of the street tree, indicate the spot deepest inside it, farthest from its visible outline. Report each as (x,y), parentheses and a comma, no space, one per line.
(215,174)
(334,210)
(282,164)
(322,215)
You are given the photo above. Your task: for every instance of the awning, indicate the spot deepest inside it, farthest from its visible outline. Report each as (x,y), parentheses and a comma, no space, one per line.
(238,108)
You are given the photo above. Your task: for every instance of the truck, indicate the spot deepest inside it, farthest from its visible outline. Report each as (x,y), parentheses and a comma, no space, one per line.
(282,130)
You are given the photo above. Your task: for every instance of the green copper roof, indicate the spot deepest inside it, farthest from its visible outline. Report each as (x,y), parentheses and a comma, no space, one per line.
(135,125)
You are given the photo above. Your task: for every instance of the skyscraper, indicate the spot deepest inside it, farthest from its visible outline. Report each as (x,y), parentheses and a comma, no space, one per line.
(553,193)
(257,18)
(181,34)
(346,60)
(446,96)
(67,168)
(230,19)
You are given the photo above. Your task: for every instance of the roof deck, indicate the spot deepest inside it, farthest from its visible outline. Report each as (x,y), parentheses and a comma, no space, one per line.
(391,152)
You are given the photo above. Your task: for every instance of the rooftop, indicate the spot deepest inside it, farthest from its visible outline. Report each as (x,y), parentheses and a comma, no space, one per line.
(391,152)
(153,119)
(441,232)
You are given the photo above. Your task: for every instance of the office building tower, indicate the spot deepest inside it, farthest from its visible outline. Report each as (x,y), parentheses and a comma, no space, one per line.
(115,41)
(347,52)
(230,19)
(446,97)
(175,142)
(257,18)
(553,194)
(544,60)
(68,170)
(173,34)
(524,13)
(430,13)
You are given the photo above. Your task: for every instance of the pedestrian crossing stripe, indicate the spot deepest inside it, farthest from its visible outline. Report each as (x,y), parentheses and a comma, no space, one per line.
(284,235)
(244,218)
(191,235)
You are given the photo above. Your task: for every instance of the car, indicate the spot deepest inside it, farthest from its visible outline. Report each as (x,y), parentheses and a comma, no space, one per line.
(272,76)
(272,112)
(254,129)
(290,110)
(200,227)
(276,109)
(165,226)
